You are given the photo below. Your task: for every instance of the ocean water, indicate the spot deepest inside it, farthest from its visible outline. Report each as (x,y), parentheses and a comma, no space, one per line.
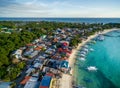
(106,57)
(72,20)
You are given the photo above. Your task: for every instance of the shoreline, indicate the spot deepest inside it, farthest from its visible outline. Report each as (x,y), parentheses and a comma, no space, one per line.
(67,80)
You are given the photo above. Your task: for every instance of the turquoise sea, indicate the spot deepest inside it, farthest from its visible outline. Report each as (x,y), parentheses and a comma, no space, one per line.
(106,57)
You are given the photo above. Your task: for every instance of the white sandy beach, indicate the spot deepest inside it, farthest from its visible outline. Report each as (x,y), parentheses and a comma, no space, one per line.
(66,81)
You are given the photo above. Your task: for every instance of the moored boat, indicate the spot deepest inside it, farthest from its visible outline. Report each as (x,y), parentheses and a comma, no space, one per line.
(85,49)
(91,49)
(92,68)
(82,59)
(100,37)
(83,52)
(82,55)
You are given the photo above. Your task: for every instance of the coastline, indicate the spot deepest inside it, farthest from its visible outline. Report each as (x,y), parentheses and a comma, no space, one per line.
(67,80)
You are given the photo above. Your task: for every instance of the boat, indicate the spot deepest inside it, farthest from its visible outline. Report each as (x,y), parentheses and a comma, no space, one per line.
(92,68)
(82,59)
(83,52)
(85,46)
(82,55)
(100,37)
(85,49)
(91,49)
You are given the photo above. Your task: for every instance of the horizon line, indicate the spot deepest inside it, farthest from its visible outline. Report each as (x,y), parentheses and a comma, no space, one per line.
(59,17)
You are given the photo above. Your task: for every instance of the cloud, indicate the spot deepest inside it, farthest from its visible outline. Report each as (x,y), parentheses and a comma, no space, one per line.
(55,8)
(29,9)
(4,3)
(24,9)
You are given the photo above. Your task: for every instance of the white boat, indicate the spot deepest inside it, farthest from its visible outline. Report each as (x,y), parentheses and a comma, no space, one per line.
(91,49)
(82,55)
(81,59)
(85,49)
(86,46)
(100,37)
(83,52)
(92,68)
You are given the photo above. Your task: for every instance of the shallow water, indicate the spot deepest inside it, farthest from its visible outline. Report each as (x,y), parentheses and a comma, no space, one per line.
(106,57)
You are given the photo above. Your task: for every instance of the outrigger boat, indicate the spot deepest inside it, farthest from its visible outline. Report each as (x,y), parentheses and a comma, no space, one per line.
(82,59)
(92,68)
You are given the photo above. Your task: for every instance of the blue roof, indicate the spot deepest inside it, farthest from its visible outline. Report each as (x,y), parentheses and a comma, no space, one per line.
(46,81)
(5,84)
(64,64)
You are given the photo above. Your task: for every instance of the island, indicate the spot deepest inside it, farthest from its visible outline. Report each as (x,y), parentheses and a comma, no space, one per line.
(42,54)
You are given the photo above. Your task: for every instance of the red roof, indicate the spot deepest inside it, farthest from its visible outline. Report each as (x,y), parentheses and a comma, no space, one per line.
(24,81)
(60,50)
(43,87)
(30,44)
(65,44)
(38,48)
(50,74)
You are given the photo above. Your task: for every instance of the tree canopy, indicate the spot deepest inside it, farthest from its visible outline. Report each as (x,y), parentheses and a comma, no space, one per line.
(31,31)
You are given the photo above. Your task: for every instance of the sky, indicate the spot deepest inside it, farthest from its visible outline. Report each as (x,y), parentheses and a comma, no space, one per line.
(60,8)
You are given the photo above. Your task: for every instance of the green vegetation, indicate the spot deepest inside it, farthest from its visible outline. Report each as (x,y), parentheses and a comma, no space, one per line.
(12,85)
(12,71)
(31,31)
(75,40)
